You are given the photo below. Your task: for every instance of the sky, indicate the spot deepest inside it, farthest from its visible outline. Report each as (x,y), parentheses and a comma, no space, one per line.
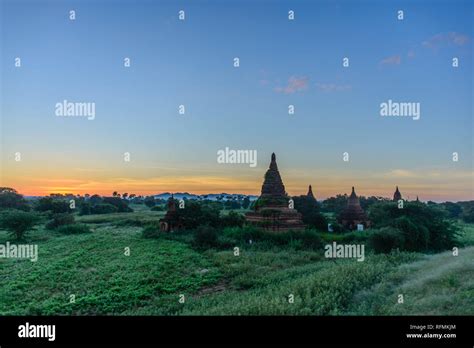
(282,62)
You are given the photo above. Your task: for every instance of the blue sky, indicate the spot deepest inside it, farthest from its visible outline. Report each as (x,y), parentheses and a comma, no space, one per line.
(282,62)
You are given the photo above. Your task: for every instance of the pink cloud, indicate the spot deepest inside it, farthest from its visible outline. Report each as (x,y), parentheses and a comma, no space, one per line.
(443,39)
(295,84)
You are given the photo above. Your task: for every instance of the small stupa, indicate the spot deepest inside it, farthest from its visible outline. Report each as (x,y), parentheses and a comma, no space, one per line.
(272,211)
(171,221)
(353,214)
(397,195)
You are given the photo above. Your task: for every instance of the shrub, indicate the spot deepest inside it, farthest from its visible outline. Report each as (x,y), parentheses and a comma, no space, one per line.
(119,203)
(150,201)
(243,234)
(205,237)
(468,212)
(232,219)
(308,239)
(73,229)
(336,227)
(386,239)
(103,208)
(416,235)
(195,214)
(454,210)
(157,208)
(18,222)
(310,211)
(60,220)
(85,208)
(424,226)
(151,231)
(56,206)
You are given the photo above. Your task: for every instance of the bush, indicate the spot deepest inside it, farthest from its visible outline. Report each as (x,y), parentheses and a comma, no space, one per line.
(386,239)
(424,226)
(60,220)
(56,206)
(157,208)
(151,231)
(337,227)
(150,201)
(416,235)
(310,211)
(85,208)
(194,215)
(308,239)
(103,208)
(453,210)
(232,219)
(468,212)
(18,222)
(205,237)
(119,203)
(73,229)
(11,199)
(242,234)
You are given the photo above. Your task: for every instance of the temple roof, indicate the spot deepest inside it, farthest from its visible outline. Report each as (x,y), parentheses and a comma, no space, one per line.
(353,211)
(353,194)
(310,192)
(397,195)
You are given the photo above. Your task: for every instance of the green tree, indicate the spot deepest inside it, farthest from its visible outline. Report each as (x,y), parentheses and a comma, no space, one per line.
(18,222)
(11,199)
(150,201)
(309,209)
(232,219)
(425,227)
(246,202)
(335,204)
(55,205)
(195,214)
(121,204)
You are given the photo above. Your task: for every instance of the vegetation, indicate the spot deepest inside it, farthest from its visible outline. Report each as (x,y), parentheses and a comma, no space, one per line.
(309,209)
(421,227)
(73,229)
(402,256)
(60,220)
(11,199)
(18,222)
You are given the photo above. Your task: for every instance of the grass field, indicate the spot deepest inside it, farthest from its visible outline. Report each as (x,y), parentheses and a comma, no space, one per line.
(94,268)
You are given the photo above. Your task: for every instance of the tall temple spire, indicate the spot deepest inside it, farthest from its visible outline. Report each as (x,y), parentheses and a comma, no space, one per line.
(272,184)
(397,195)
(310,192)
(273,163)
(353,194)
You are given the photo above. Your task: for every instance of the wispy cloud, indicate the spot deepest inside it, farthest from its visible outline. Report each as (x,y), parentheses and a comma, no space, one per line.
(401,173)
(411,54)
(445,39)
(392,60)
(295,84)
(332,87)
